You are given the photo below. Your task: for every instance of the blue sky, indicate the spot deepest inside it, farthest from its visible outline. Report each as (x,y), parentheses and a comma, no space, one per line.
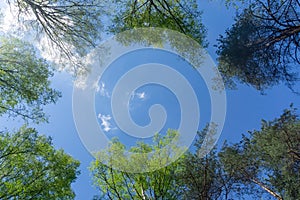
(245,106)
(147,95)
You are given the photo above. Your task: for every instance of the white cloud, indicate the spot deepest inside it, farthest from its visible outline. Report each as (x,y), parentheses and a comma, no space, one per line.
(101,89)
(22,29)
(139,95)
(9,20)
(13,26)
(105,122)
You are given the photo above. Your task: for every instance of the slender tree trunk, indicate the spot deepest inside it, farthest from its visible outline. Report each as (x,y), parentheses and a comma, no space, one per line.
(143,193)
(266,188)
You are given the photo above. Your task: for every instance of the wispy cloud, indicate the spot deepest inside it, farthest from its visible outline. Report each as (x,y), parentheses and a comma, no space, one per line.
(135,97)
(139,95)
(10,25)
(105,122)
(100,88)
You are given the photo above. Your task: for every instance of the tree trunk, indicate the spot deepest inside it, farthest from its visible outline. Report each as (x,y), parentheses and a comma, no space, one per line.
(266,188)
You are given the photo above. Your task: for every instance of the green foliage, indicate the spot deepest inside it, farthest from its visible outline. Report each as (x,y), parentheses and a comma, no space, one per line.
(235,3)
(142,157)
(202,176)
(182,16)
(158,184)
(192,176)
(24,81)
(30,168)
(261,48)
(264,165)
(269,159)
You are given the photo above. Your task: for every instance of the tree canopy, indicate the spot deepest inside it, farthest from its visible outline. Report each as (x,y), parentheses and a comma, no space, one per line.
(262,47)
(264,164)
(192,176)
(182,16)
(120,184)
(30,167)
(203,177)
(24,81)
(71,26)
(268,160)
